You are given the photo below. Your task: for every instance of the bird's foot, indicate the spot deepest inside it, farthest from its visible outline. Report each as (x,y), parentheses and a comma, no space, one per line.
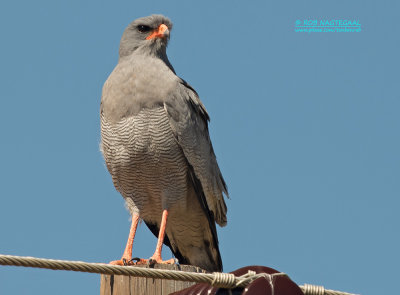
(157,259)
(141,261)
(153,260)
(123,262)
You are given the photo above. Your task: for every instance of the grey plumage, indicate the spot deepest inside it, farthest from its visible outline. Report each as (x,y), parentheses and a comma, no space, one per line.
(157,148)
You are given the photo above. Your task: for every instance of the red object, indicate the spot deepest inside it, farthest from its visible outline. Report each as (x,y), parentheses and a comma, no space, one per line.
(280,285)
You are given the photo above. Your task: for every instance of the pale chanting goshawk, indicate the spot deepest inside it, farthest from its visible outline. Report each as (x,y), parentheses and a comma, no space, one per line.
(157,148)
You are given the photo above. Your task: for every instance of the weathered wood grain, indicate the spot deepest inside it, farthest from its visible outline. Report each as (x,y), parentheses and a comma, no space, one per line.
(125,285)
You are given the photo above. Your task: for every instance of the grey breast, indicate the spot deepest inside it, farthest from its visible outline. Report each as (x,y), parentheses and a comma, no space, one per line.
(145,161)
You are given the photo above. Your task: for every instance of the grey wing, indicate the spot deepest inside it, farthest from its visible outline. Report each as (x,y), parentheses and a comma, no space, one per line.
(189,122)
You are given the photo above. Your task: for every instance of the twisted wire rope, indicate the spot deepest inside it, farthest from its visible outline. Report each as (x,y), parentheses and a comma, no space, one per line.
(216,279)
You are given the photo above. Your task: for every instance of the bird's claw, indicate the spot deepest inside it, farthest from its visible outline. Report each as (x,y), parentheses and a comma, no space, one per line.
(135,259)
(152,262)
(156,260)
(122,262)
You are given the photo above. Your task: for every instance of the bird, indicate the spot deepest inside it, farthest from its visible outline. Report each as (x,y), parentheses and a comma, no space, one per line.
(156,145)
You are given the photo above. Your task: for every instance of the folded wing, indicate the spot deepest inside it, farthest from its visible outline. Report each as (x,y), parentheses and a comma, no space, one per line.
(189,122)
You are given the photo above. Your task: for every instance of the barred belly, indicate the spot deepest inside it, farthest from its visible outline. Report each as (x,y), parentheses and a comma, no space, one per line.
(147,165)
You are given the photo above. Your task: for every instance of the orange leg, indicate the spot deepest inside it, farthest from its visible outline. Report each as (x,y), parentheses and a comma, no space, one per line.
(127,256)
(156,258)
(157,254)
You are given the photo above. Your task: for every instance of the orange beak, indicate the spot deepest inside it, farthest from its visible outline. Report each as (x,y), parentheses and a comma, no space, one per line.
(161,32)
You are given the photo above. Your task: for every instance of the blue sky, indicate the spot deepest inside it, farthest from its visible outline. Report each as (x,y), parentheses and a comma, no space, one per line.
(305,128)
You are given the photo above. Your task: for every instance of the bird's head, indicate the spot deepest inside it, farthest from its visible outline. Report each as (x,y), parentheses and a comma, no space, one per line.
(148,35)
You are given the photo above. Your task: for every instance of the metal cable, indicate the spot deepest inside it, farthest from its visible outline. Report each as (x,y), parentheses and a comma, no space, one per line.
(222,280)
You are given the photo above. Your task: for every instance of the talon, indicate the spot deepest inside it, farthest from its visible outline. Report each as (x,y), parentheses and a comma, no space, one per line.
(159,260)
(151,262)
(137,259)
(123,262)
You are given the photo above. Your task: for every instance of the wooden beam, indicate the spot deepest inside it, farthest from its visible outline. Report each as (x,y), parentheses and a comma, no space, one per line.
(125,285)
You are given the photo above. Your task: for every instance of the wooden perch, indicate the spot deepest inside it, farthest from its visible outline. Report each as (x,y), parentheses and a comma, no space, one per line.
(126,285)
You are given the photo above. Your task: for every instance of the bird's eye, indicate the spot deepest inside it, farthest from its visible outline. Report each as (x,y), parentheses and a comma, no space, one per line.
(143,28)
